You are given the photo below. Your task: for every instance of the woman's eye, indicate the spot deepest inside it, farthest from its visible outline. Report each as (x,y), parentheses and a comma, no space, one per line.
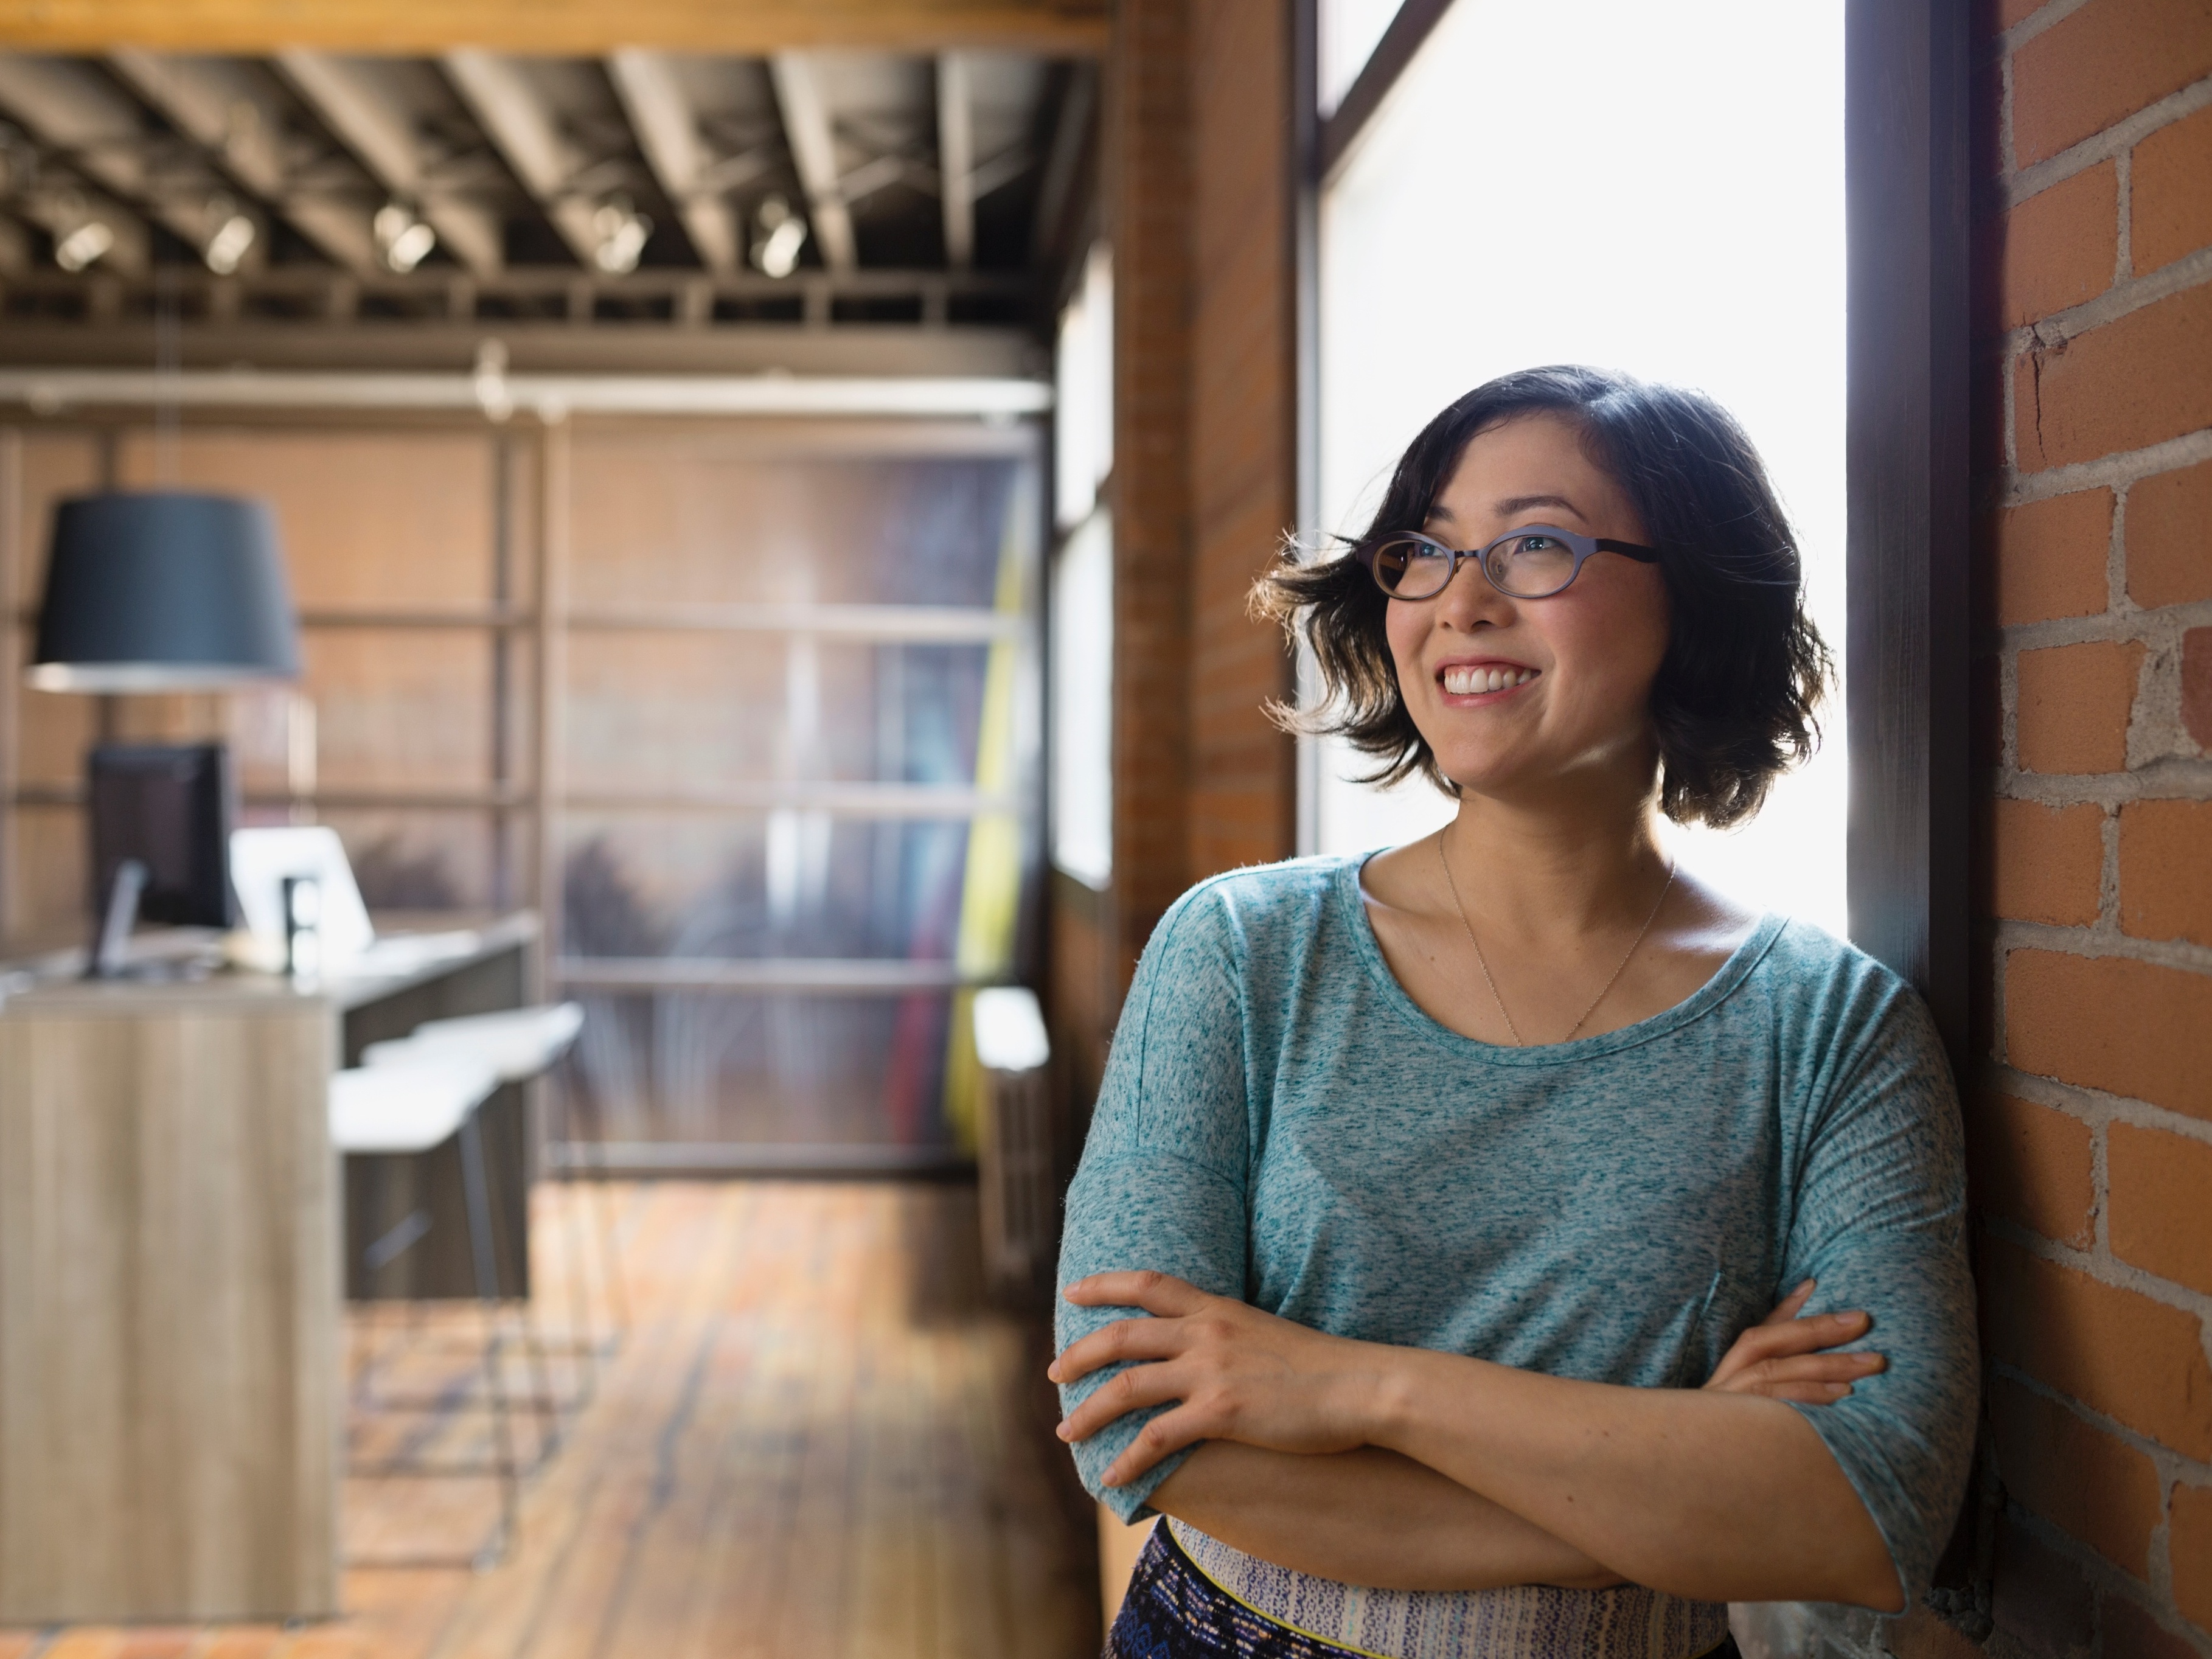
(1537,544)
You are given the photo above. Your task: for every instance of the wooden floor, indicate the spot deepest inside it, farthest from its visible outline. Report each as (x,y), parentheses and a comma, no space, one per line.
(815,1440)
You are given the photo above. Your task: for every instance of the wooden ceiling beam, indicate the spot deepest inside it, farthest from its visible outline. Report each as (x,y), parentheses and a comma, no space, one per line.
(1067,28)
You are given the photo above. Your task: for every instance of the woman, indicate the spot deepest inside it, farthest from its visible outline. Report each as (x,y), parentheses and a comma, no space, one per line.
(1424,1188)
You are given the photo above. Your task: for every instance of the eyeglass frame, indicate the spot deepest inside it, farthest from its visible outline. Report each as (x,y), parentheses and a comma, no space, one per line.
(1584,548)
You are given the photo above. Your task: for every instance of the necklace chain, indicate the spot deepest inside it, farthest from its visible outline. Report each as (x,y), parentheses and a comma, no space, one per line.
(1483,962)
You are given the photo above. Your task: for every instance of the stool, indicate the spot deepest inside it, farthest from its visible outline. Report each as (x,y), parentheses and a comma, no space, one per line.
(410,1104)
(522,1044)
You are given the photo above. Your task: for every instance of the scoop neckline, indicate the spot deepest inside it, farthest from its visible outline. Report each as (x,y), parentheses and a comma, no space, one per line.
(1715,990)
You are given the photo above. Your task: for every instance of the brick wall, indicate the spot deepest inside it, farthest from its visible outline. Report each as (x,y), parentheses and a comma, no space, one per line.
(1197,180)
(2090,1125)
(1243,435)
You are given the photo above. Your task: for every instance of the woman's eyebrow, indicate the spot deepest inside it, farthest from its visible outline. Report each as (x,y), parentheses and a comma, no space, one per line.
(1514,506)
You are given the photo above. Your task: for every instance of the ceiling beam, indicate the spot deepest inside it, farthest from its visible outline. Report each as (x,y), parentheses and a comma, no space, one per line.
(429,28)
(500,95)
(204,98)
(667,132)
(956,159)
(814,153)
(346,101)
(71,108)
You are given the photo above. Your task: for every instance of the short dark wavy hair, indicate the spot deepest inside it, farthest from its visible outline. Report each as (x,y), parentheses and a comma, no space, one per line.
(1734,703)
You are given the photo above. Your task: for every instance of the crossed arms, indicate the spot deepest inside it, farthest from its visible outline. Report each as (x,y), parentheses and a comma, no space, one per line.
(1409,1469)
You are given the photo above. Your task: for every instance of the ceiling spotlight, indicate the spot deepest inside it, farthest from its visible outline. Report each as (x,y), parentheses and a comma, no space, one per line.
(775,251)
(228,242)
(402,240)
(622,230)
(83,244)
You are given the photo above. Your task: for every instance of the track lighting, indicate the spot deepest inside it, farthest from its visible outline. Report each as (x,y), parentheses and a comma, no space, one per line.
(622,230)
(402,240)
(232,234)
(74,252)
(775,251)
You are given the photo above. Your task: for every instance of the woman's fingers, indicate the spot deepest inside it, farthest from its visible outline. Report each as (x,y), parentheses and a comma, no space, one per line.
(1790,1303)
(1155,1293)
(1802,1335)
(1125,1339)
(1168,1433)
(1132,1390)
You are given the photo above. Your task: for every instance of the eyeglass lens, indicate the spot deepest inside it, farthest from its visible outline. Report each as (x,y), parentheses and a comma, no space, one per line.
(1530,567)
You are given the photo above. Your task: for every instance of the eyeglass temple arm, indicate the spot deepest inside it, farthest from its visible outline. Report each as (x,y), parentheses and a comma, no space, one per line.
(1632,550)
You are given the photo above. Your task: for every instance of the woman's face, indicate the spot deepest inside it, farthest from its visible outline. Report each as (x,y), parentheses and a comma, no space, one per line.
(1576,668)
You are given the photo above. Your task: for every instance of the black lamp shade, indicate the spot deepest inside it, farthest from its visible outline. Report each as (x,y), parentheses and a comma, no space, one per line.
(163,591)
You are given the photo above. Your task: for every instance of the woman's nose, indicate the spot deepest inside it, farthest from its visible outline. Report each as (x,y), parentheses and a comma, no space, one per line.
(1469,601)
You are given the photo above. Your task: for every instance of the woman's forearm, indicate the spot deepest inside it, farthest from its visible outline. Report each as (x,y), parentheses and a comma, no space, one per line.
(1369,1517)
(1722,1496)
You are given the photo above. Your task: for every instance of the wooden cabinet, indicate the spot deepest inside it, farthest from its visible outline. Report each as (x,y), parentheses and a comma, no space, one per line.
(171,1214)
(169,1410)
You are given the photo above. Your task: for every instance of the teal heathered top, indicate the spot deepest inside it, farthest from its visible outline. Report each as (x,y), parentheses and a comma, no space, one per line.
(1281,1123)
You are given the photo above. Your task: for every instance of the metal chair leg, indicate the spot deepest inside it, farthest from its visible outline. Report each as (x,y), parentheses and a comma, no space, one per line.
(478,1193)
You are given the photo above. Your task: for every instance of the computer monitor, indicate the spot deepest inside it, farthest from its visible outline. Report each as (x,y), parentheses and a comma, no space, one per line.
(169,806)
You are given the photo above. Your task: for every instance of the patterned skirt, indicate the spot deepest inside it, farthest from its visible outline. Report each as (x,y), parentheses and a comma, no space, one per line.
(1175,1610)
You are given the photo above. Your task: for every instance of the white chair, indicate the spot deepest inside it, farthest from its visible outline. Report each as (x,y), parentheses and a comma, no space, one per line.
(411,1103)
(518,1044)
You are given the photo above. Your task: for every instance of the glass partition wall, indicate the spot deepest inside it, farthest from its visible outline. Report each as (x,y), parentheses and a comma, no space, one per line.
(749,712)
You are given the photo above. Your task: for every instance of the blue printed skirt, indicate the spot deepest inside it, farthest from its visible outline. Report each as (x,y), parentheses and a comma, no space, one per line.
(1173,1610)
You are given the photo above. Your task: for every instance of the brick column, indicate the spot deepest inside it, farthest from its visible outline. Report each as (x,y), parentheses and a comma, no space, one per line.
(2090,1127)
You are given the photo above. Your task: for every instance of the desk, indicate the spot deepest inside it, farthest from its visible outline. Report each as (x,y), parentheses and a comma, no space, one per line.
(170,1410)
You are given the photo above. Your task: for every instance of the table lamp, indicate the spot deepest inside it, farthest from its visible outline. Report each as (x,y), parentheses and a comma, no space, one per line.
(161,590)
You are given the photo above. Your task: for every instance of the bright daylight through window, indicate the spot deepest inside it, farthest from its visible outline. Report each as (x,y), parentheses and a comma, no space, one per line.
(1082,603)
(1656,189)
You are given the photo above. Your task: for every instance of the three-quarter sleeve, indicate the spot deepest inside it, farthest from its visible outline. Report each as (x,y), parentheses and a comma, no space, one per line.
(1162,1181)
(1879,1220)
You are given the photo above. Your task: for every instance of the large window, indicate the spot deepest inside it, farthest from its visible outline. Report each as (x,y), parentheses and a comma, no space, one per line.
(1657,189)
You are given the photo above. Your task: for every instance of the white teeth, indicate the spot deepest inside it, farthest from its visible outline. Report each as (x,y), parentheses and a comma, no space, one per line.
(1475,682)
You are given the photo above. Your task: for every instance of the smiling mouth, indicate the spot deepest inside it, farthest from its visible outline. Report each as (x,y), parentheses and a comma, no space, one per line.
(1472,680)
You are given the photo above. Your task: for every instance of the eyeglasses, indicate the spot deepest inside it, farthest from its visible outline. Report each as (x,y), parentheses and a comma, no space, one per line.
(1533,562)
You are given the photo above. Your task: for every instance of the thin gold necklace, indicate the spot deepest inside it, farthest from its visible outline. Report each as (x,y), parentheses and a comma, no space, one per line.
(1483,962)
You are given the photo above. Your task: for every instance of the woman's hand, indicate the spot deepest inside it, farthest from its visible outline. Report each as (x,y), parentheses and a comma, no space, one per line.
(1780,1357)
(1238,1374)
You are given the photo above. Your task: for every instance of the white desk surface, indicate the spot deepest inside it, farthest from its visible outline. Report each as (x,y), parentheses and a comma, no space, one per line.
(52,982)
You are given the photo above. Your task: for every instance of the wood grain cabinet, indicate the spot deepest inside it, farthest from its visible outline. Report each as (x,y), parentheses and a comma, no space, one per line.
(169,1410)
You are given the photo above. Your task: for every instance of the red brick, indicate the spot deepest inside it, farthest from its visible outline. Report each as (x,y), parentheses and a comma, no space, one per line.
(2136,1361)
(2049,557)
(2130,1630)
(2138,381)
(2165,870)
(2170,194)
(2075,1475)
(2169,536)
(2060,246)
(2132,1028)
(2160,1187)
(2073,706)
(2189,1551)
(2033,1166)
(2039,1597)
(2048,862)
(2196,685)
(2101,64)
